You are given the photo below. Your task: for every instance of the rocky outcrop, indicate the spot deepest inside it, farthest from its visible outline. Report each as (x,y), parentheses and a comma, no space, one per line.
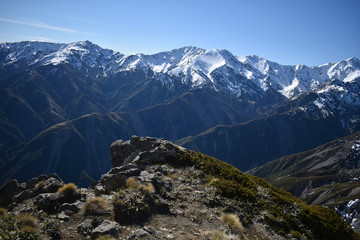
(130,158)
(142,150)
(14,191)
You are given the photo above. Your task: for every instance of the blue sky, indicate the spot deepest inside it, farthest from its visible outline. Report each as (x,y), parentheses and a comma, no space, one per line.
(285,31)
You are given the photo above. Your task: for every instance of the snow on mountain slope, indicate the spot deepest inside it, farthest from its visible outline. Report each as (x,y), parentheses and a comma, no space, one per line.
(193,66)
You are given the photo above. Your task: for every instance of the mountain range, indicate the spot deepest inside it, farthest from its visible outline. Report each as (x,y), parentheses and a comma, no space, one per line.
(61,105)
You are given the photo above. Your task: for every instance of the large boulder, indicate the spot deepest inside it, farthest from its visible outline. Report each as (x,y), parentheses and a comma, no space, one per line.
(51,202)
(106,228)
(8,191)
(142,150)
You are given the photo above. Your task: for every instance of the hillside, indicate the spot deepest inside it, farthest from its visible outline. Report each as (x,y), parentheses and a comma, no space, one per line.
(326,175)
(65,103)
(158,190)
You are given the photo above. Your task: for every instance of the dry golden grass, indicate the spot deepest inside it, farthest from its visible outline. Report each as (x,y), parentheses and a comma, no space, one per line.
(40,185)
(233,222)
(68,189)
(96,206)
(132,183)
(147,188)
(29,229)
(27,220)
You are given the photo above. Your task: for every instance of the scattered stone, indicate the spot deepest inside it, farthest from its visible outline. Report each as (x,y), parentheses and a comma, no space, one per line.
(99,189)
(26,194)
(52,185)
(71,208)
(150,230)
(146,176)
(170,236)
(140,233)
(106,228)
(63,216)
(47,201)
(86,227)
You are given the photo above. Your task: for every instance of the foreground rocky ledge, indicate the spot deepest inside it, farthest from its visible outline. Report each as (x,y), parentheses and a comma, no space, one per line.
(158,190)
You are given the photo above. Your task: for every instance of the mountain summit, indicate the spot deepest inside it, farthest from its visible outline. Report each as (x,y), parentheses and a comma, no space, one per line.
(61,105)
(192,66)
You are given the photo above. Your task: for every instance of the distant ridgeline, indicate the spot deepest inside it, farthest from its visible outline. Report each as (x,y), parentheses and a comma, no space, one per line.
(62,105)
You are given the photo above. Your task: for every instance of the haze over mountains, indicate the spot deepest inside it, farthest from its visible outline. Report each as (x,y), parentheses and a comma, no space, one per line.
(63,104)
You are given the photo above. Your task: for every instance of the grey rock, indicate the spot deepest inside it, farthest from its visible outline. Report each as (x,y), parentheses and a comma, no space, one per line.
(52,185)
(146,176)
(150,230)
(111,182)
(8,191)
(106,227)
(115,178)
(26,194)
(50,202)
(32,182)
(63,216)
(86,227)
(142,150)
(71,208)
(164,169)
(99,189)
(140,233)
(47,201)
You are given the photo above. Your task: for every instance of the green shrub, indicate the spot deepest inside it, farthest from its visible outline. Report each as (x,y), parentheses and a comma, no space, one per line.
(52,229)
(96,206)
(68,189)
(286,214)
(132,208)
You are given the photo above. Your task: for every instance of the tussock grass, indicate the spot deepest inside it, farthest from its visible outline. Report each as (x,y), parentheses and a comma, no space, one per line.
(68,189)
(96,206)
(216,235)
(147,188)
(132,183)
(40,185)
(27,220)
(27,224)
(233,222)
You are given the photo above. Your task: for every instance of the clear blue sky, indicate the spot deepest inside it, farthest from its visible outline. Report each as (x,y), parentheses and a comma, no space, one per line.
(310,32)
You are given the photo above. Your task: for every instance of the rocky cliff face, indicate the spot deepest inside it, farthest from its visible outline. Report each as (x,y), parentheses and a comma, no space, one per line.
(158,190)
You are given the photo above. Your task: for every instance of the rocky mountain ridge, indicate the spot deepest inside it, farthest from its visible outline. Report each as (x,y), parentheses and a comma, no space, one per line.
(191,66)
(61,105)
(158,190)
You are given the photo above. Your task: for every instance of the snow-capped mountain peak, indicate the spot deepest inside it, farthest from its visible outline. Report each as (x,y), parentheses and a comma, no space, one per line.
(193,66)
